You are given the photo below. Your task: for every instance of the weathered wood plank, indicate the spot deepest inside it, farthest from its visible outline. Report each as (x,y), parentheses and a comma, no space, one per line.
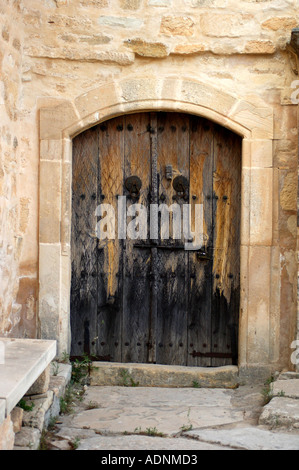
(200,271)
(84,243)
(173,150)
(136,322)
(153,199)
(110,302)
(226,241)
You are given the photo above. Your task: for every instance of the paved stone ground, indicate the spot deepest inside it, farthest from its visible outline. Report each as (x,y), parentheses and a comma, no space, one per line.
(136,418)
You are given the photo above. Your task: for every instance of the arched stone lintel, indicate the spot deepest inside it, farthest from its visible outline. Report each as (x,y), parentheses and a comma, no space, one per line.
(147,106)
(249,119)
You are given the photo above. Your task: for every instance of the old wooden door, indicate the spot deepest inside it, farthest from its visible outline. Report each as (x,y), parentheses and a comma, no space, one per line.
(141,296)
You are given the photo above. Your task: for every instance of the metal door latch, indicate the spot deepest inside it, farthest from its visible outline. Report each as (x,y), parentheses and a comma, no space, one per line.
(202,255)
(168,172)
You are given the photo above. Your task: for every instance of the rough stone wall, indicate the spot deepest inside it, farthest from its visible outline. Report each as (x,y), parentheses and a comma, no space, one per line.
(15,204)
(297,365)
(63,48)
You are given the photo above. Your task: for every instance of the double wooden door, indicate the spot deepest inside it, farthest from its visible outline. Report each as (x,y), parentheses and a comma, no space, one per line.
(141,298)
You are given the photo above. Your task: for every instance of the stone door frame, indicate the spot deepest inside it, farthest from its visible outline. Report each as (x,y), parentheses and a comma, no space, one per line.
(259,325)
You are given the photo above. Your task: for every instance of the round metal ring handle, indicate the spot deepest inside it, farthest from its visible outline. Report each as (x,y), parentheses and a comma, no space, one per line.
(133,184)
(181,185)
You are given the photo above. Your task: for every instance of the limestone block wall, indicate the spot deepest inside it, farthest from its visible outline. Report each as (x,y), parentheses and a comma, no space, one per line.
(297,365)
(17,202)
(55,51)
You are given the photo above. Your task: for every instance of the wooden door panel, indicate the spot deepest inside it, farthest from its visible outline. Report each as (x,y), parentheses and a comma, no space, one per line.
(200,271)
(172,264)
(173,150)
(172,308)
(110,255)
(150,300)
(137,262)
(84,284)
(226,241)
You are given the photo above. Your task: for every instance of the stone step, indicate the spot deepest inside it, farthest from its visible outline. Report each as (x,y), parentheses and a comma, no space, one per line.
(288,375)
(157,375)
(285,388)
(281,412)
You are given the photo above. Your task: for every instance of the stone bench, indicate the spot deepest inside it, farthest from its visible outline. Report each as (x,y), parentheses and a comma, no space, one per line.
(22,364)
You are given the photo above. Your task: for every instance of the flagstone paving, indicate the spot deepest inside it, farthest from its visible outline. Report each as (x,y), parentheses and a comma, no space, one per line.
(149,418)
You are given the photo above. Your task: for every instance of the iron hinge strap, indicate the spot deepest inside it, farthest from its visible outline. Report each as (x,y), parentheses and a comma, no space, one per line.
(212,354)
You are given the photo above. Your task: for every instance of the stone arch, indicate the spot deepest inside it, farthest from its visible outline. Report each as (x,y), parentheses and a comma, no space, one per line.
(250,118)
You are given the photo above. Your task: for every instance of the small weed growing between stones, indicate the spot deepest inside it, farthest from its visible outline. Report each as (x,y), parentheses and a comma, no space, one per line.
(189,426)
(266,392)
(52,423)
(186,427)
(23,404)
(66,401)
(153,432)
(55,368)
(43,444)
(195,384)
(75,443)
(65,358)
(81,370)
(92,405)
(148,432)
(127,379)
(76,389)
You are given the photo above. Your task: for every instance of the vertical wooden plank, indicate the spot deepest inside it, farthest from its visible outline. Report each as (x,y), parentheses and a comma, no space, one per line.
(137,262)
(173,150)
(154,195)
(110,302)
(200,271)
(226,263)
(172,308)
(84,243)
